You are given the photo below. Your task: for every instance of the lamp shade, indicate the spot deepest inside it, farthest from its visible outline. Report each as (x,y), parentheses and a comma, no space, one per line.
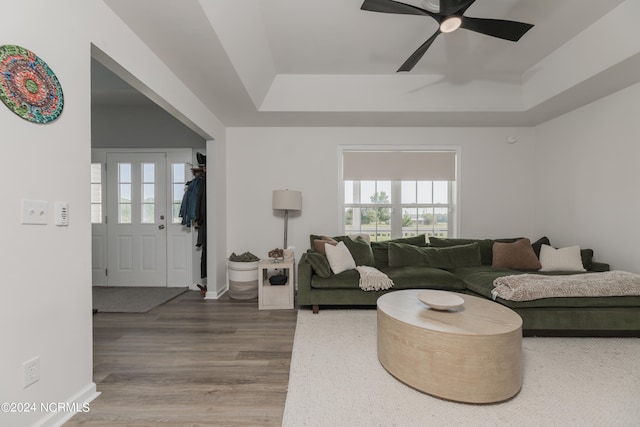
(287,200)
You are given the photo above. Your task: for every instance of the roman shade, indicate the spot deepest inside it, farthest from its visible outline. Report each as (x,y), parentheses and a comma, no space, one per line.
(399,165)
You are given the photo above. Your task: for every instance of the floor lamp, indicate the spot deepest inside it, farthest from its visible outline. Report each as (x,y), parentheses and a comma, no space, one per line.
(287,200)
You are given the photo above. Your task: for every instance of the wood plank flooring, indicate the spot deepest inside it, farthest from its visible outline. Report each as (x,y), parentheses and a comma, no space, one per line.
(191,362)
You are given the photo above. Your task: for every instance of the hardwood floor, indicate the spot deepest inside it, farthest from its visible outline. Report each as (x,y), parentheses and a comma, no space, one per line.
(191,362)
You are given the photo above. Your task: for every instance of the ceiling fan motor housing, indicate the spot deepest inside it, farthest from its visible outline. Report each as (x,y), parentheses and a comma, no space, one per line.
(450,17)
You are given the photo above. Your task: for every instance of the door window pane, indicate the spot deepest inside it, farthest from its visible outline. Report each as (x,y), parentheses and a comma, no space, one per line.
(96,193)
(148,172)
(147,211)
(178,170)
(124,193)
(124,172)
(178,173)
(148,193)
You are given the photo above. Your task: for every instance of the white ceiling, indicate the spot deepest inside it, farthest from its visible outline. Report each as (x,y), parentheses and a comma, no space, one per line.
(328,63)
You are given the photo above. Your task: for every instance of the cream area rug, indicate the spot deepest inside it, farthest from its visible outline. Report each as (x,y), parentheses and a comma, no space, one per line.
(337,380)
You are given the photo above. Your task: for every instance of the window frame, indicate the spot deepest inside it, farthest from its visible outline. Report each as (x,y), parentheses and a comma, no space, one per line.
(396,206)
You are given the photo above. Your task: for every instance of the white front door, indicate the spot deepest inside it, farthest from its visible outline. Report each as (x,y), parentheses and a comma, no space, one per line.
(136,219)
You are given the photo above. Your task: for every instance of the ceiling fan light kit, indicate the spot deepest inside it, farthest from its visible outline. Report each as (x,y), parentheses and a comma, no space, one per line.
(450,17)
(450,24)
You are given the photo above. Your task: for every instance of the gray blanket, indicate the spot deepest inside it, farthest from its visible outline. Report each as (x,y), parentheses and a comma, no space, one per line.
(527,287)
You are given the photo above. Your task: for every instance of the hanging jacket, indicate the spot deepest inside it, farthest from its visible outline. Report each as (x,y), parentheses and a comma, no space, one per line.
(188,211)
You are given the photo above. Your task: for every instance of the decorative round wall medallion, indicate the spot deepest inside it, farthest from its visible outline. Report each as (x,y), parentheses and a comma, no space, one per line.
(28,86)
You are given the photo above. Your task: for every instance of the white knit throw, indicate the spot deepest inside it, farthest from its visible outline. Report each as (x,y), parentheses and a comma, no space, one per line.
(527,287)
(372,279)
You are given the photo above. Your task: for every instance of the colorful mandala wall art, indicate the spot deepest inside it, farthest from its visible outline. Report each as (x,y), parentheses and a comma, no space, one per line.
(28,86)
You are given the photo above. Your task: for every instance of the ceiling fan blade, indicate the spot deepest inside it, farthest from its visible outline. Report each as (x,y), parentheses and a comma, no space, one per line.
(507,30)
(418,54)
(390,6)
(449,7)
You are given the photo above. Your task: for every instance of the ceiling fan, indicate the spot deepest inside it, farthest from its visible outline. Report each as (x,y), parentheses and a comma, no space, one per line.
(450,17)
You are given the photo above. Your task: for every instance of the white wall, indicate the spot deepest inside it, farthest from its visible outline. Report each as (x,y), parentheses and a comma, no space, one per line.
(45,309)
(587,179)
(140,127)
(496,189)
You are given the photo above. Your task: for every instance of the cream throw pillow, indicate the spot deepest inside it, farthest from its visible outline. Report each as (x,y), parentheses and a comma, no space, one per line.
(563,259)
(339,257)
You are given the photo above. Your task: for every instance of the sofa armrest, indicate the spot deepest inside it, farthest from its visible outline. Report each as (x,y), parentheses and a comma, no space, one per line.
(599,266)
(304,280)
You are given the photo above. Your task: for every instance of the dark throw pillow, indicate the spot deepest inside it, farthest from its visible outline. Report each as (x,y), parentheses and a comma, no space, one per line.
(381,249)
(319,263)
(537,245)
(360,251)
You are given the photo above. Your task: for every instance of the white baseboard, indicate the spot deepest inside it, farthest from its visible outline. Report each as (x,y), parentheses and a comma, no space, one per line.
(216,295)
(80,400)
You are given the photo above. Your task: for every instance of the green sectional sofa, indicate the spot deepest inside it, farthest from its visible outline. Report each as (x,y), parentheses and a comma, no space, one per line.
(402,260)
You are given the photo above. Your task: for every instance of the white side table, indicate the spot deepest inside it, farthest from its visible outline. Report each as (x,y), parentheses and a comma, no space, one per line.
(273,297)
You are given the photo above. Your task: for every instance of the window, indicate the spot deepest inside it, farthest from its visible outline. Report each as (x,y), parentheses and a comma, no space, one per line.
(148,193)
(124,193)
(398,203)
(96,193)
(177,190)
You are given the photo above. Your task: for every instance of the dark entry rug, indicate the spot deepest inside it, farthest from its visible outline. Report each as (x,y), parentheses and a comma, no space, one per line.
(131,300)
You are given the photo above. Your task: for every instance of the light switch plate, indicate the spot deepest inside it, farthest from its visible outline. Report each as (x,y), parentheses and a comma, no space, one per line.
(35,211)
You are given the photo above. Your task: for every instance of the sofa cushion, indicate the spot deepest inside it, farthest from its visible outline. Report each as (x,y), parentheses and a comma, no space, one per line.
(564,259)
(480,281)
(339,257)
(381,249)
(421,277)
(401,255)
(486,245)
(403,278)
(360,250)
(348,279)
(319,263)
(518,255)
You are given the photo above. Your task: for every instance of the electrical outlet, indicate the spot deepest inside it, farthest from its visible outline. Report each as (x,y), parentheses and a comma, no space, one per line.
(31,371)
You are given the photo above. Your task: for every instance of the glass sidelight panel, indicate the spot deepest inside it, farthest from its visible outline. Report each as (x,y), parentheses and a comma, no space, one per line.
(178,174)
(124,193)
(148,202)
(96,193)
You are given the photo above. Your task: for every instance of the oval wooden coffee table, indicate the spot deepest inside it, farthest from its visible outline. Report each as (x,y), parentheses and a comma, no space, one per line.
(472,353)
